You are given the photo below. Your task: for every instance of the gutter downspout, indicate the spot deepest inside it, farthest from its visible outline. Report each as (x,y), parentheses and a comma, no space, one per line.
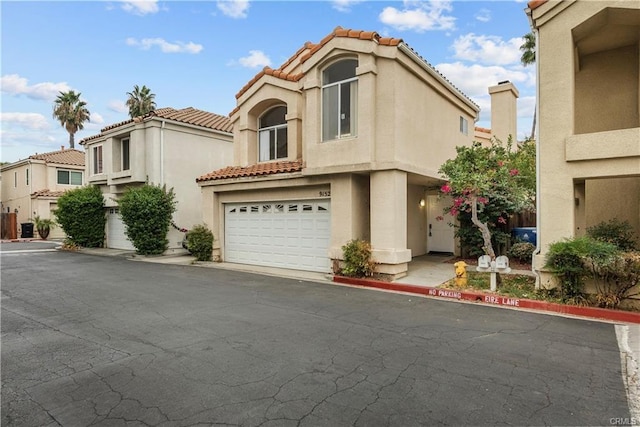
(162,154)
(538,249)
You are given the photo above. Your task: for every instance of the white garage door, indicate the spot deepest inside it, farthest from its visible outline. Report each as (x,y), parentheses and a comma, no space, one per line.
(289,234)
(116,238)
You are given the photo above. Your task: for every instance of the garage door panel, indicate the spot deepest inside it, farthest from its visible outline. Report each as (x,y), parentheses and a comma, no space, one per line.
(281,234)
(116,237)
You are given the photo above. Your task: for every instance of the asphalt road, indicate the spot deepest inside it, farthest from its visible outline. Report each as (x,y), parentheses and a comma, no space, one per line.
(103,341)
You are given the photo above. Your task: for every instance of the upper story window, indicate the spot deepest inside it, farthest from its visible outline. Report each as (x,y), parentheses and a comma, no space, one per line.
(96,159)
(124,154)
(27,176)
(273,134)
(464,126)
(339,100)
(67,177)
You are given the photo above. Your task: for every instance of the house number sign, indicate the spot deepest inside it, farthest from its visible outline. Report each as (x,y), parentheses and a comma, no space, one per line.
(324,193)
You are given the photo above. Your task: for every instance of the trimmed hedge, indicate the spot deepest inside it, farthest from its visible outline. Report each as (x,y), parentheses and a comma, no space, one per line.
(146,212)
(82,216)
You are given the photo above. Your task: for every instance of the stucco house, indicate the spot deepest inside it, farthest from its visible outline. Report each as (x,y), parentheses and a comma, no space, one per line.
(342,141)
(165,147)
(589,117)
(31,187)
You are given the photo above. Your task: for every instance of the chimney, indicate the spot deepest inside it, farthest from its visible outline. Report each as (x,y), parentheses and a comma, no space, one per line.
(504,111)
(62,148)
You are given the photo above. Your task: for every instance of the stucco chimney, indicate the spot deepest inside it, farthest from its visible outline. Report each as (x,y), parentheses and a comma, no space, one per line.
(504,111)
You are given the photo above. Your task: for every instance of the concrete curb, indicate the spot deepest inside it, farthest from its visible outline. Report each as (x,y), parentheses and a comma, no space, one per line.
(497,300)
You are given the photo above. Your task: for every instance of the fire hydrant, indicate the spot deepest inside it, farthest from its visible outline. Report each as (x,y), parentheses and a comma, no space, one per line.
(461,273)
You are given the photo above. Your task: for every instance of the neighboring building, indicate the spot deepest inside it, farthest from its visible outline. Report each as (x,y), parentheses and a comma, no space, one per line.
(165,147)
(343,141)
(31,187)
(504,115)
(589,116)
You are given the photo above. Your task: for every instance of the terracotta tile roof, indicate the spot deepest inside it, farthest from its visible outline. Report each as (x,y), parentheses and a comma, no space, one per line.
(309,49)
(47,193)
(484,130)
(533,4)
(253,170)
(187,115)
(64,157)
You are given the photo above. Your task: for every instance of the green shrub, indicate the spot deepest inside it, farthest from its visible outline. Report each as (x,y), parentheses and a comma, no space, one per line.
(146,212)
(574,260)
(200,242)
(522,251)
(81,215)
(357,259)
(616,279)
(619,233)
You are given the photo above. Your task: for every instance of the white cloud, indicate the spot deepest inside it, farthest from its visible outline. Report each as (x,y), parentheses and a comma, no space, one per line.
(474,80)
(13,84)
(165,46)
(483,15)
(344,5)
(487,49)
(30,121)
(419,16)
(97,118)
(234,8)
(140,7)
(118,106)
(256,59)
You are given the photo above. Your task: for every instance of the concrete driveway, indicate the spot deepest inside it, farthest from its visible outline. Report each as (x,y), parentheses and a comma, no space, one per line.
(106,341)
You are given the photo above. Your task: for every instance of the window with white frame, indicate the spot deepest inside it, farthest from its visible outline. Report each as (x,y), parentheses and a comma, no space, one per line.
(68,177)
(124,154)
(339,100)
(464,126)
(273,134)
(97,160)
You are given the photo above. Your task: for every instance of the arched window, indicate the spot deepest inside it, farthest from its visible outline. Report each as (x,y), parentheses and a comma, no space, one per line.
(339,100)
(273,134)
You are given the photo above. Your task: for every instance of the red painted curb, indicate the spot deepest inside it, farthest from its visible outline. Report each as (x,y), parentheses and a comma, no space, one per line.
(494,299)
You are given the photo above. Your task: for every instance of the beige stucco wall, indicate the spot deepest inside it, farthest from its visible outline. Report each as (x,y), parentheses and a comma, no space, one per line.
(567,158)
(416,221)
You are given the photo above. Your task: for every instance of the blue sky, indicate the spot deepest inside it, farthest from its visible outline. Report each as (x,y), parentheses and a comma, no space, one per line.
(200,53)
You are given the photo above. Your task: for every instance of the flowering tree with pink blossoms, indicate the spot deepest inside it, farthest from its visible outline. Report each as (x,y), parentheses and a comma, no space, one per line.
(489,184)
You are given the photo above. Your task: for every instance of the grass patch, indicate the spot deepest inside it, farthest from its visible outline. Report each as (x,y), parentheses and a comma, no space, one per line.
(513,285)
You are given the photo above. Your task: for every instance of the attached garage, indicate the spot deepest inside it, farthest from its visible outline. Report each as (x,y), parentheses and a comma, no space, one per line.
(116,237)
(285,234)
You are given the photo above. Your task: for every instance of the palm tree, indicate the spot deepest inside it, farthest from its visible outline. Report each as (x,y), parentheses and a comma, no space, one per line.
(528,49)
(141,101)
(71,112)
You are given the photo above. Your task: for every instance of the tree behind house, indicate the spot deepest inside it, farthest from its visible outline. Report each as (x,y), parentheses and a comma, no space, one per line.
(71,112)
(141,101)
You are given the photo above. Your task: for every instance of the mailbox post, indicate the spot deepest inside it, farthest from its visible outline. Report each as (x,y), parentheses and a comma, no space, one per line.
(499,265)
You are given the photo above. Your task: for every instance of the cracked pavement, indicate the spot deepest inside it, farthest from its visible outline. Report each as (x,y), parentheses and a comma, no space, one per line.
(104,341)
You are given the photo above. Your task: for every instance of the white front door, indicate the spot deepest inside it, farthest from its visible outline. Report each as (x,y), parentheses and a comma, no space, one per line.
(286,234)
(440,235)
(116,238)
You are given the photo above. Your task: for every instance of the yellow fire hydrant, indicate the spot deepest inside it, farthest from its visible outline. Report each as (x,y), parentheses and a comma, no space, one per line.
(461,273)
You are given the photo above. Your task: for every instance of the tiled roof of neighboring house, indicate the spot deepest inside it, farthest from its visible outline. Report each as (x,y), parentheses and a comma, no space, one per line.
(187,115)
(64,157)
(536,3)
(484,130)
(309,49)
(47,193)
(253,170)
